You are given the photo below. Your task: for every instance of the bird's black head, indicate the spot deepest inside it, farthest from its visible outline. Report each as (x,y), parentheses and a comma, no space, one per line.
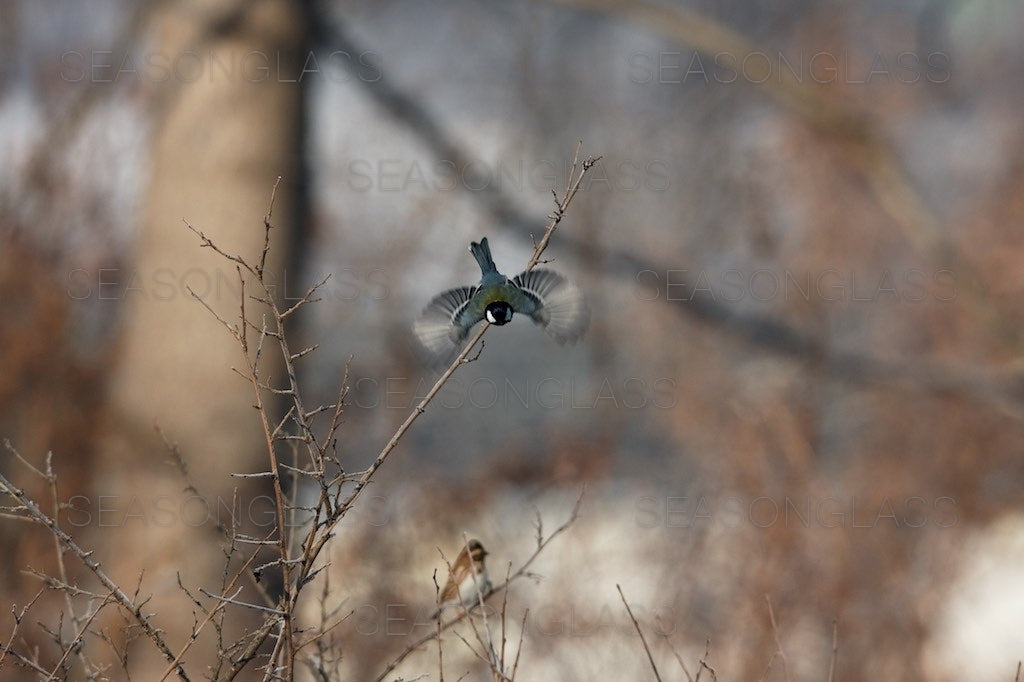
(499,313)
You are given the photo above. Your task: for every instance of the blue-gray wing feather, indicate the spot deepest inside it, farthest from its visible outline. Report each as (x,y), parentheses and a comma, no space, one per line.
(445,321)
(555,303)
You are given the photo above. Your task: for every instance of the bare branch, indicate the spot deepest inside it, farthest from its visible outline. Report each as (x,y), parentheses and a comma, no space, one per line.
(704,663)
(17,455)
(636,625)
(519,648)
(307,297)
(73,645)
(679,659)
(835,653)
(86,557)
(208,243)
(18,617)
(236,602)
(266,231)
(775,633)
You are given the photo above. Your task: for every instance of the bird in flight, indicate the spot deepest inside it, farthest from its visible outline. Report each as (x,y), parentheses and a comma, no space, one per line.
(545,296)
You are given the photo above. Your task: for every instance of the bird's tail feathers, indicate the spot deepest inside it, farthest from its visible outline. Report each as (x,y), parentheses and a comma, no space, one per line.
(482,252)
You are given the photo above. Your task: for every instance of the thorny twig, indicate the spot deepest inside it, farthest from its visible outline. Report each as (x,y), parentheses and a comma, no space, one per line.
(135,609)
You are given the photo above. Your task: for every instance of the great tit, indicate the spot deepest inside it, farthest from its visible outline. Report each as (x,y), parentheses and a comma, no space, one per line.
(546,297)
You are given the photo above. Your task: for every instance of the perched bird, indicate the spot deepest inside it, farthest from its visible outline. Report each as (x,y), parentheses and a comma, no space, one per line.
(467,573)
(546,297)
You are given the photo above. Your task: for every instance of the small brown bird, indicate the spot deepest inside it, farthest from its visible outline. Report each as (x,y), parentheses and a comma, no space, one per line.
(467,573)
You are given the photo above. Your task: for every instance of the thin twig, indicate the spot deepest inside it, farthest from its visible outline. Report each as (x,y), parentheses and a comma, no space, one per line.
(636,625)
(437,620)
(474,651)
(778,643)
(24,462)
(230,600)
(768,668)
(504,610)
(417,411)
(51,478)
(519,648)
(835,653)
(18,617)
(73,645)
(86,558)
(561,206)
(249,653)
(267,226)
(679,659)
(223,601)
(704,663)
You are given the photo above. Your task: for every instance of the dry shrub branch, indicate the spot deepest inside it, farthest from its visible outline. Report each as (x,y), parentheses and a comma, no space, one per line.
(312,493)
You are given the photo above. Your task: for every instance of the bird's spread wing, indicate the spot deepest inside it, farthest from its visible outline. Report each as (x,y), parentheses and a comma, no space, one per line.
(445,321)
(555,303)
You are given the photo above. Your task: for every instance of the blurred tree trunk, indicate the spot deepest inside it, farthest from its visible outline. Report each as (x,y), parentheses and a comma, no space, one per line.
(228,122)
